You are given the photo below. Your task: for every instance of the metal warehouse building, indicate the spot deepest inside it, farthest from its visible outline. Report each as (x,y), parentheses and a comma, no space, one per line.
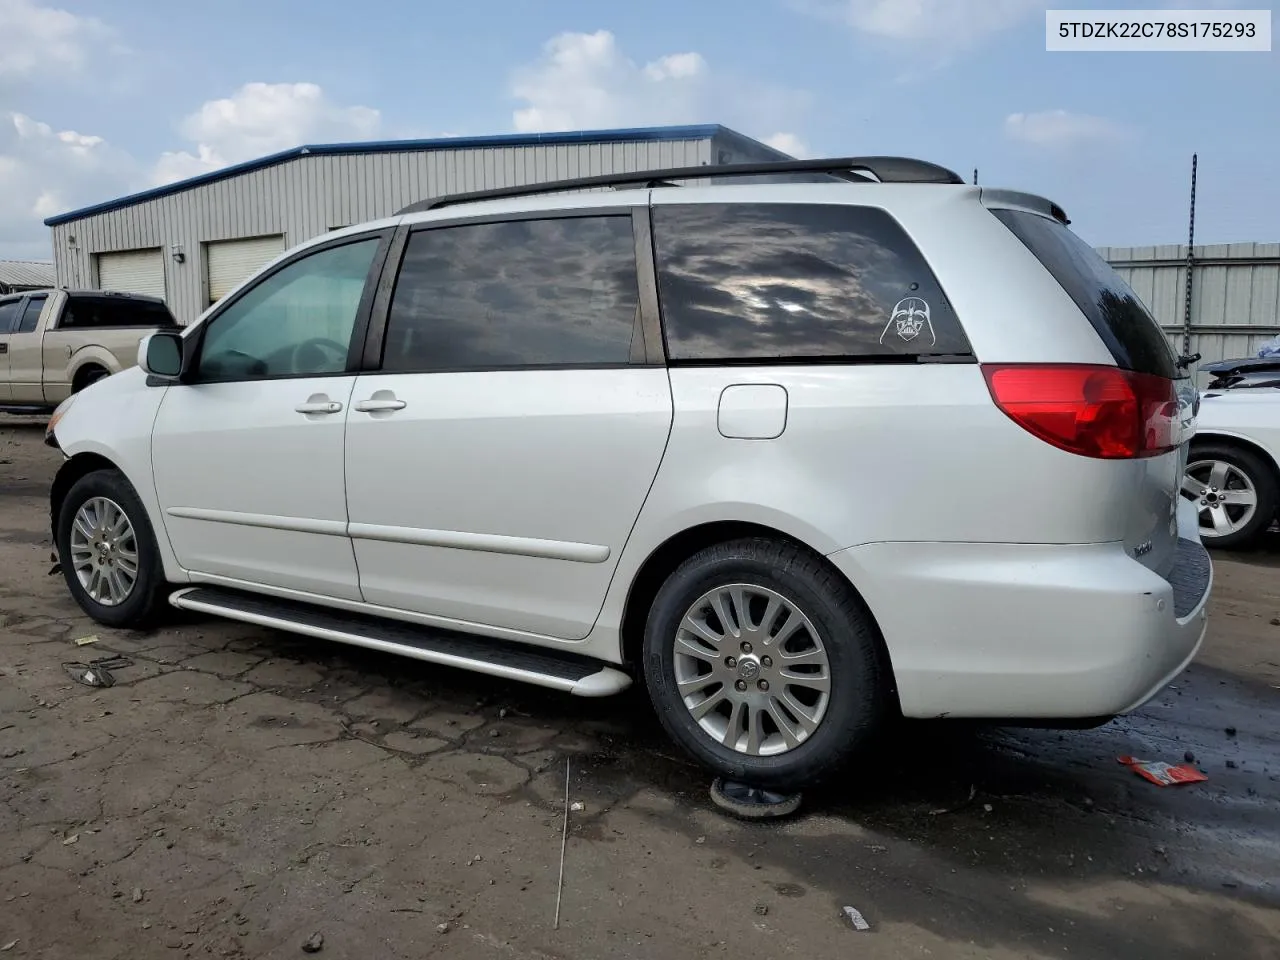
(191,242)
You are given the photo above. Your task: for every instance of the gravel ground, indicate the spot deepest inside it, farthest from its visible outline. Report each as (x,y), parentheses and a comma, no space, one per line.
(240,792)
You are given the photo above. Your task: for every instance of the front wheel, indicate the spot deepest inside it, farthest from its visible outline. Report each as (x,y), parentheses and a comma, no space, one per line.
(107,551)
(1235,493)
(763,664)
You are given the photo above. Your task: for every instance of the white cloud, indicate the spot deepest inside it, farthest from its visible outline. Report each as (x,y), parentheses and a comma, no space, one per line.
(1061,128)
(944,23)
(789,143)
(258,119)
(38,40)
(44,171)
(585,81)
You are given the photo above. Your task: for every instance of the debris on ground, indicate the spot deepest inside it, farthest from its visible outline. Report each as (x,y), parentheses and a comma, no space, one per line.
(1163,774)
(137,894)
(1231,764)
(748,802)
(84,641)
(314,943)
(443,927)
(578,806)
(762,909)
(90,675)
(1189,757)
(71,839)
(1230,731)
(856,920)
(8,946)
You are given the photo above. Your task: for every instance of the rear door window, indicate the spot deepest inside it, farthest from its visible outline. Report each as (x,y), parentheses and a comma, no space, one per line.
(560,292)
(775,282)
(30,315)
(1123,322)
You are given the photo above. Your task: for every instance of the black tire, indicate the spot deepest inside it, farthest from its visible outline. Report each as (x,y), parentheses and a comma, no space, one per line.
(1263,477)
(88,375)
(859,679)
(147,597)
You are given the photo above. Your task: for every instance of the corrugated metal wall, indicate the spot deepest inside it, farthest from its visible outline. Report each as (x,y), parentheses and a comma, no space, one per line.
(1235,302)
(311,195)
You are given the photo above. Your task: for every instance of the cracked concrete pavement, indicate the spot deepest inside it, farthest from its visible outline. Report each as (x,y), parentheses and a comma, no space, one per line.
(239,790)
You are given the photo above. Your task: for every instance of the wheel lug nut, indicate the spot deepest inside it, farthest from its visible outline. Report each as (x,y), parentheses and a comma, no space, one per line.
(730,662)
(767,662)
(740,685)
(763,684)
(746,647)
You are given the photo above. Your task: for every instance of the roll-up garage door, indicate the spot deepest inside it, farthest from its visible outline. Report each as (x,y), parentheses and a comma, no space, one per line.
(132,271)
(231,261)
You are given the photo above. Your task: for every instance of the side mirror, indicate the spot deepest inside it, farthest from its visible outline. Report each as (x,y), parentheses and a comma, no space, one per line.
(160,355)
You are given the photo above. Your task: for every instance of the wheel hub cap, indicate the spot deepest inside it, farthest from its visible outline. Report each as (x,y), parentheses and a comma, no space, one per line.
(1224,494)
(752,670)
(104,551)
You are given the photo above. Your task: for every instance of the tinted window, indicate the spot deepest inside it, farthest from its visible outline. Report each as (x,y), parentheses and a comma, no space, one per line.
(8,314)
(1124,324)
(87,312)
(792,281)
(515,294)
(297,322)
(30,315)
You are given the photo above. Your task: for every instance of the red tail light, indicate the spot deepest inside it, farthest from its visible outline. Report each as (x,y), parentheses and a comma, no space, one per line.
(1093,411)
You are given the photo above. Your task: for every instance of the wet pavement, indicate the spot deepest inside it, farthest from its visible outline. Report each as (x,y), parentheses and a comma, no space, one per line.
(239,790)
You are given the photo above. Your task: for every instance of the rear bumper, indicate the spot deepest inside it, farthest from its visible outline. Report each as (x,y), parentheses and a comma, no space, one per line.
(1028,631)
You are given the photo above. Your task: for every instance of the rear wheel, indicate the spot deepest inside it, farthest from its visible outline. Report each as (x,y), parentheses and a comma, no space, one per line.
(1235,492)
(107,551)
(763,664)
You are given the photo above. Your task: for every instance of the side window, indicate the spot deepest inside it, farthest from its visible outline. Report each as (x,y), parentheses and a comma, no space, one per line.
(84,312)
(31,315)
(521,293)
(297,322)
(9,314)
(795,281)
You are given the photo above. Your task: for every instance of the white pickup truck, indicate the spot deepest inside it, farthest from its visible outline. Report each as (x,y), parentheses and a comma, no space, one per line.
(54,343)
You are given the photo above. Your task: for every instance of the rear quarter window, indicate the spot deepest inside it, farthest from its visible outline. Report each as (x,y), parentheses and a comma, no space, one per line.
(1123,322)
(796,282)
(83,313)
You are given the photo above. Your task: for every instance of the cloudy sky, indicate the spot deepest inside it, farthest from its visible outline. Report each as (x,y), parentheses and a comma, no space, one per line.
(102,97)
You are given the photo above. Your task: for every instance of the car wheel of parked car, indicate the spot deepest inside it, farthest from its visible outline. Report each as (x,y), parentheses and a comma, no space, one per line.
(1235,492)
(108,553)
(762,662)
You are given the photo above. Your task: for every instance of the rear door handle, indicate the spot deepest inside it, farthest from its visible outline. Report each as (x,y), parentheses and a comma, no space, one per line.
(377,406)
(4,348)
(319,406)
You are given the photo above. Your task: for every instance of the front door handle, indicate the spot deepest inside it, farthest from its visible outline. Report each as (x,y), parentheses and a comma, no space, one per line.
(380,404)
(316,405)
(4,348)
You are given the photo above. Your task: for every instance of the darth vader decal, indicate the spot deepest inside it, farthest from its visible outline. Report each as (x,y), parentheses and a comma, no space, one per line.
(909,320)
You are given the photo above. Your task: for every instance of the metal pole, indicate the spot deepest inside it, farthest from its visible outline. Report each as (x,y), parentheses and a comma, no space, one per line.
(1191,260)
(975,176)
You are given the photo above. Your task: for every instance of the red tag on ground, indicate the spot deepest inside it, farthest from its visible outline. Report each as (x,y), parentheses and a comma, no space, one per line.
(1163,774)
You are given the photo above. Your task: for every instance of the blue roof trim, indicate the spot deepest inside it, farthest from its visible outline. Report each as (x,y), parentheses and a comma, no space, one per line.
(629,134)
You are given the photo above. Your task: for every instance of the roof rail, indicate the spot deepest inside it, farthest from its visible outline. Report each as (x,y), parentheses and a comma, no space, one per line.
(854,169)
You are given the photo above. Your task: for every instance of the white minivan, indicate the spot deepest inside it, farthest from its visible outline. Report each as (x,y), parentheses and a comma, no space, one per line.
(799,445)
